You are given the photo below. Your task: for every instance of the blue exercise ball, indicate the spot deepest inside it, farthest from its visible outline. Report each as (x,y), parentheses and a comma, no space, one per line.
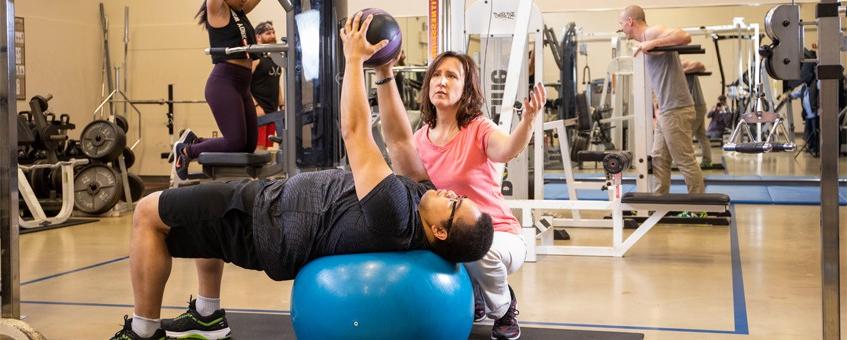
(396,295)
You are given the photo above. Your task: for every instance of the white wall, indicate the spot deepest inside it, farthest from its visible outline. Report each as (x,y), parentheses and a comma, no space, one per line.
(63,56)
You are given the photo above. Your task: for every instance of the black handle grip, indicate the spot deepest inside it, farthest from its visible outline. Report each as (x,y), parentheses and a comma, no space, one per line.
(217,50)
(783,147)
(681,49)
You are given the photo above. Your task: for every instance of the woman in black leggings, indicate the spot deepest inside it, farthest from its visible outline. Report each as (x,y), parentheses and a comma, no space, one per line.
(228,87)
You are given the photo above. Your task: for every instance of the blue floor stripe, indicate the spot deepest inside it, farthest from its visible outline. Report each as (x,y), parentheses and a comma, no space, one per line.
(75,270)
(642,328)
(739,301)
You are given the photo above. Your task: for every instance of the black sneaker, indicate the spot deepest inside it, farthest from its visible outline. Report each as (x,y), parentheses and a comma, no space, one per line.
(506,327)
(126,333)
(192,325)
(187,137)
(181,161)
(478,305)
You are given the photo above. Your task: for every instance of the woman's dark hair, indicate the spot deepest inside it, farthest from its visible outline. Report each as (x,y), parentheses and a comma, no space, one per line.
(202,15)
(470,104)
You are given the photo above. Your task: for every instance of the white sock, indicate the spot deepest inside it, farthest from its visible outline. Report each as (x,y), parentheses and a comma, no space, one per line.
(145,327)
(207,306)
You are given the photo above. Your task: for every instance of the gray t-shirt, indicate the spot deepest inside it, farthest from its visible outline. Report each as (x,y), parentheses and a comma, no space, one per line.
(667,80)
(318,214)
(695,89)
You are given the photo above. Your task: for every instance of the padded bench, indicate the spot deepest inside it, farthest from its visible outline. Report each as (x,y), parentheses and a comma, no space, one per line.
(260,164)
(234,164)
(670,199)
(230,159)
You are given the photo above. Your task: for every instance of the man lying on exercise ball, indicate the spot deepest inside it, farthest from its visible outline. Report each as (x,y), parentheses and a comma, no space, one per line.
(279,225)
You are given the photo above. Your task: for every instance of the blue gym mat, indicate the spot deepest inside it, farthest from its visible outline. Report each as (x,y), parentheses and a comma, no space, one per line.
(738,194)
(722,179)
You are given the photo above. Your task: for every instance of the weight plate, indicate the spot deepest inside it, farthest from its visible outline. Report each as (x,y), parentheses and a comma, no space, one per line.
(129,159)
(122,123)
(102,140)
(97,189)
(56,179)
(39,179)
(136,187)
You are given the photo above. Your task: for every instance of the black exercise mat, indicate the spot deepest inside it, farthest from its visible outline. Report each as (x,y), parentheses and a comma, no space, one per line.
(276,326)
(68,223)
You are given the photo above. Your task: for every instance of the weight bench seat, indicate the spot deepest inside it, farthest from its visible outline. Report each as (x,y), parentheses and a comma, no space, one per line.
(672,199)
(237,164)
(234,159)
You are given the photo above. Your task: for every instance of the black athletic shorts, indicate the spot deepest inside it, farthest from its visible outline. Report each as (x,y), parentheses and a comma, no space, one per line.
(213,220)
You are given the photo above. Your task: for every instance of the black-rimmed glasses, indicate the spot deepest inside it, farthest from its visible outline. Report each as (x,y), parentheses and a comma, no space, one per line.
(454,205)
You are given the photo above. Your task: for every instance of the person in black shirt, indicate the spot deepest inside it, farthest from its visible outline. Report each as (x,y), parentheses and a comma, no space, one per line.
(280,225)
(228,88)
(265,84)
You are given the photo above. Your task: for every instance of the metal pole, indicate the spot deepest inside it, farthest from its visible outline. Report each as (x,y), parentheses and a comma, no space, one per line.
(107,60)
(829,71)
(126,55)
(444,25)
(538,125)
(517,55)
(456,30)
(643,122)
(289,148)
(171,109)
(10,284)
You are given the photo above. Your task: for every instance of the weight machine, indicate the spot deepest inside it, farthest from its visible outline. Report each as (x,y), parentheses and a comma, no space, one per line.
(507,28)
(783,58)
(761,113)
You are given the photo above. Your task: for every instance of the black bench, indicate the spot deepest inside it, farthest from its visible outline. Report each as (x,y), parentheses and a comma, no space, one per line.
(258,164)
(687,199)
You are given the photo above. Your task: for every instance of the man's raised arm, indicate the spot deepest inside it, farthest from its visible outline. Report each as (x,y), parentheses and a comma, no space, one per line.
(366,162)
(396,127)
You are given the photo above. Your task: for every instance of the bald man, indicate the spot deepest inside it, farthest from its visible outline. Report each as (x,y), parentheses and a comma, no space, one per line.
(672,139)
